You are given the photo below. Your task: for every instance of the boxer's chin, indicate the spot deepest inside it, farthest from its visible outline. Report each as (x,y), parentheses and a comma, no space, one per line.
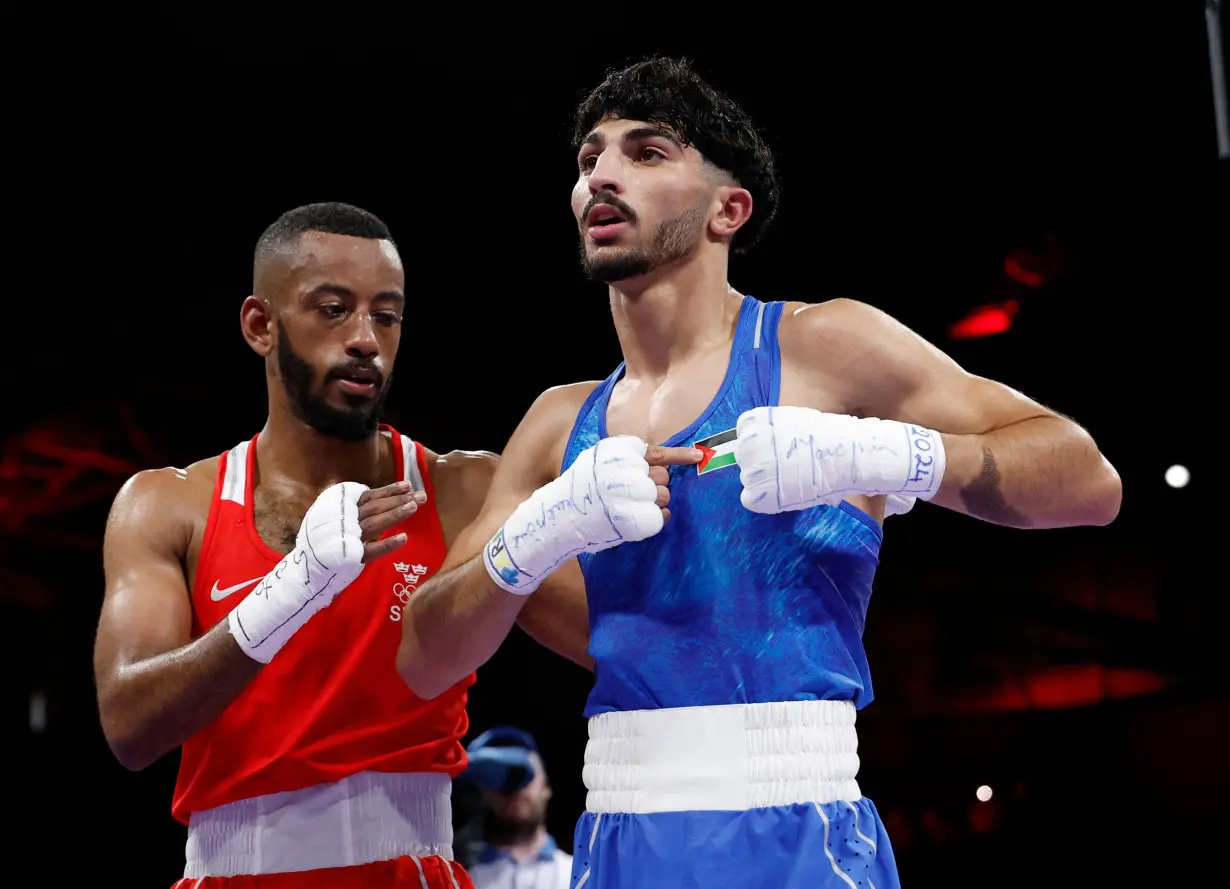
(345,419)
(351,423)
(609,265)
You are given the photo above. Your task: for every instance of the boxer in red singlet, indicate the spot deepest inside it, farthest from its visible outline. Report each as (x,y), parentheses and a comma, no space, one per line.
(306,759)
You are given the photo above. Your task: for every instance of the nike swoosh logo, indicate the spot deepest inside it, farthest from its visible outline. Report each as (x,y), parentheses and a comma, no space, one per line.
(219,594)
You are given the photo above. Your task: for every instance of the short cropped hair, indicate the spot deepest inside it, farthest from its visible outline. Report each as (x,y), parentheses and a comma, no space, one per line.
(332,218)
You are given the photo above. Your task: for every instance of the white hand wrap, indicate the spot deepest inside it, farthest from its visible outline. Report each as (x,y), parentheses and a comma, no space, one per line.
(898,504)
(796,457)
(328,555)
(605,498)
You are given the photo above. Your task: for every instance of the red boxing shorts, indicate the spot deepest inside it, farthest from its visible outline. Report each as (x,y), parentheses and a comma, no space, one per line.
(407,872)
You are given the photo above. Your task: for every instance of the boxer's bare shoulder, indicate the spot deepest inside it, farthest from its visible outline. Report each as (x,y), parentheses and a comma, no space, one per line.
(845,356)
(555,411)
(171,504)
(828,333)
(461,480)
(537,446)
(568,397)
(155,521)
(172,497)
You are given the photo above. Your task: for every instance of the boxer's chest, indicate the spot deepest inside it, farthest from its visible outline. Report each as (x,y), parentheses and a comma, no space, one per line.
(656,409)
(277,516)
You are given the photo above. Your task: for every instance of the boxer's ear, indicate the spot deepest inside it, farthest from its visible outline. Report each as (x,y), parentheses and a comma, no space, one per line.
(256,322)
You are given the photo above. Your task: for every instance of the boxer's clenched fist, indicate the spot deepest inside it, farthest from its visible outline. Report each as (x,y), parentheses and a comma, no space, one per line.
(796,457)
(339,534)
(610,495)
(331,535)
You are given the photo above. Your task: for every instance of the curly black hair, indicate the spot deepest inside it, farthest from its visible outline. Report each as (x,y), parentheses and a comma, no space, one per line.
(670,93)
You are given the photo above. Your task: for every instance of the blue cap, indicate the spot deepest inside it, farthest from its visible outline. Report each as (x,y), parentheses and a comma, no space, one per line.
(503,736)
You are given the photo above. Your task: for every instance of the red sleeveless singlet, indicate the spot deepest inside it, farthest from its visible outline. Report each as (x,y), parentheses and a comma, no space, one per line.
(330,704)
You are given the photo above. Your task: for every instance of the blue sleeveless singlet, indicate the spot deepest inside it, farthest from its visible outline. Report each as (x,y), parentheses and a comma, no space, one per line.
(726,606)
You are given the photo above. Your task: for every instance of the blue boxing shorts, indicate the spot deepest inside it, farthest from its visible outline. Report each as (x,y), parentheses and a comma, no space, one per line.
(739,795)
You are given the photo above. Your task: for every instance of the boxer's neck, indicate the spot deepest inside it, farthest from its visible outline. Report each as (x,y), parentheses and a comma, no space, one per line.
(666,319)
(289,449)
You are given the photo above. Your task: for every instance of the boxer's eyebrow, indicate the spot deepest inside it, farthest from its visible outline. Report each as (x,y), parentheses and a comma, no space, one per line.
(653,131)
(344,292)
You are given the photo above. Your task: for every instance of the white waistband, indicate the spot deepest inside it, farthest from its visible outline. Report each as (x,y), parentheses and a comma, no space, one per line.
(371,816)
(729,758)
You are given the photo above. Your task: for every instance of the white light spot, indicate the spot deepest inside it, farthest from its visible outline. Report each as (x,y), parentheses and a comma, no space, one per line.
(1178,476)
(983,793)
(38,712)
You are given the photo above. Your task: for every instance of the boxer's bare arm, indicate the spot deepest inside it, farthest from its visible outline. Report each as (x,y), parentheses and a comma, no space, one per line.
(1010,460)
(458,619)
(557,617)
(156,685)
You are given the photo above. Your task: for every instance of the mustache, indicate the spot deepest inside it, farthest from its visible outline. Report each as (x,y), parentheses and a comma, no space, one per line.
(352,367)
(611,201)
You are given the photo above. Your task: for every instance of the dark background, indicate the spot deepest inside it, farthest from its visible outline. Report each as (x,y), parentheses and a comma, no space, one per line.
(926,151)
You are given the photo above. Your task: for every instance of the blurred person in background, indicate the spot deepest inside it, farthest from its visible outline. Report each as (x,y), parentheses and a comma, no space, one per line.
(513,849)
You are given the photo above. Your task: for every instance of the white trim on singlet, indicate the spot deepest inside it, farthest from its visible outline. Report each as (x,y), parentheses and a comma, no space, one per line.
(759,321)
(235,482)
(410,457)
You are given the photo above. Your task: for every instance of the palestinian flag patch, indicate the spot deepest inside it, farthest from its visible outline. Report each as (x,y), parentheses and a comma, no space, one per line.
(719,451)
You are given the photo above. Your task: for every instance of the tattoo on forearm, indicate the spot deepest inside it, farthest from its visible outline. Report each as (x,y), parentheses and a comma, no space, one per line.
(983,498)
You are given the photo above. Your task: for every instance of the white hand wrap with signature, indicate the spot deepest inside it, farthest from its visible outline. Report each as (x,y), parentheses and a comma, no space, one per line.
(605,498)
(327,557)
(796,457)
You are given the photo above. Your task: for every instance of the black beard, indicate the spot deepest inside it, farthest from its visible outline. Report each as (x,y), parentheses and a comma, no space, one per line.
(673,240)
(355,423)
(505,832)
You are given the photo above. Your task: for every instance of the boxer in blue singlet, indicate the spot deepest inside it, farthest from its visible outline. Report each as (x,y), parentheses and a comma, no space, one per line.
(703,526)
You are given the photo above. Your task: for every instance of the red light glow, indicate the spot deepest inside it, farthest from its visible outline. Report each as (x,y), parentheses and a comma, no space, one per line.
(1015,270)
(985,321)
